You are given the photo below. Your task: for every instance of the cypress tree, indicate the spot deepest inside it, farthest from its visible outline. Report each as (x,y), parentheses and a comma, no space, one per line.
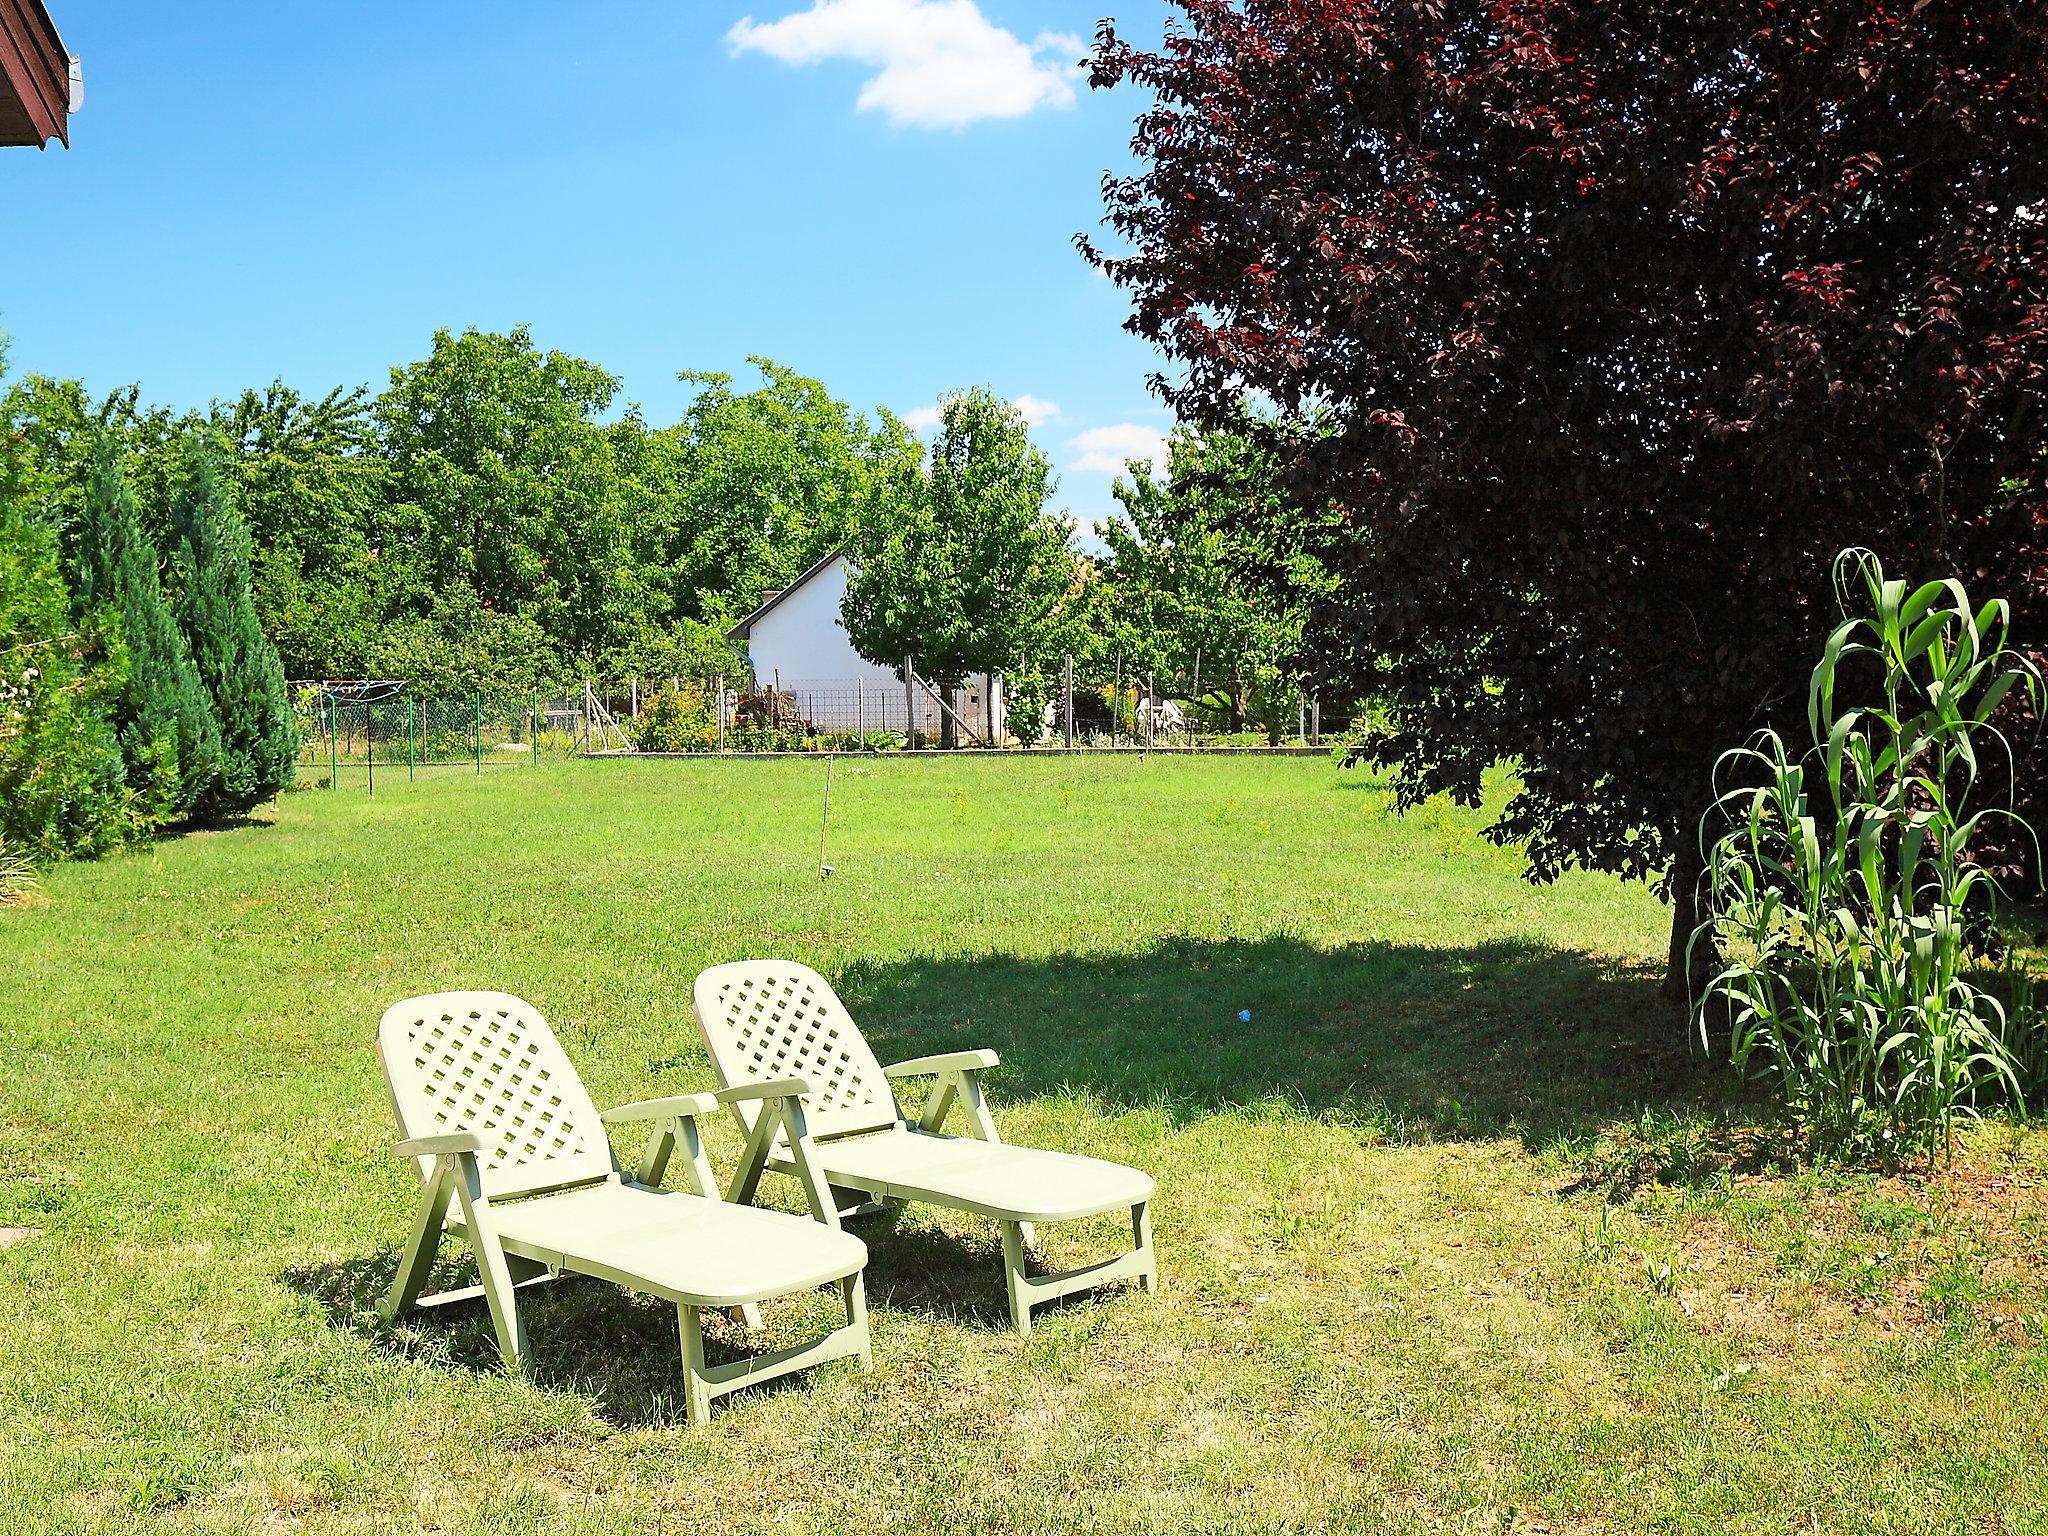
(237,664)
(170,740)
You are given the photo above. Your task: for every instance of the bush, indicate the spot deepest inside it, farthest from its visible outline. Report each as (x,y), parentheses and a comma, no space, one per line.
(1024,701)
(462,646)
(675,720)
(61,781)
(749,737)
(159,708)
(856,741)
(259,738)
(1844,884)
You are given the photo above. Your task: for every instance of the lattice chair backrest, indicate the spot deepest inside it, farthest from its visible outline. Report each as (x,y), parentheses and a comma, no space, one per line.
(764,1019)
(487,1062)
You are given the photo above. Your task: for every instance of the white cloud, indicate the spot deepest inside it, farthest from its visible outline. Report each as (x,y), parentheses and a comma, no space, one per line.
(1103,450)
(1037,412)
(938,63)
(1088,526)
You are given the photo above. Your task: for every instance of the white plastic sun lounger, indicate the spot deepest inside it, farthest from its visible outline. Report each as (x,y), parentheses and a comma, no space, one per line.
(495,1118)
(769,1019)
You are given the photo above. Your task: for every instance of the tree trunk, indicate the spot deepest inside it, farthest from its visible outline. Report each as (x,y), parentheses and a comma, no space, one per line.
(949,735)
(1687,966)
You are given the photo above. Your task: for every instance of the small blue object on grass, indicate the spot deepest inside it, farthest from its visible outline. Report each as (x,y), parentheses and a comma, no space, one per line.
(1244,1016)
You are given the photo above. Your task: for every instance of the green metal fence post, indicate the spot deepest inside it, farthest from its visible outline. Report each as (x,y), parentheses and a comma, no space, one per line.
(410,772)
(370,742)
(478,739)
(333,747)
(533,727)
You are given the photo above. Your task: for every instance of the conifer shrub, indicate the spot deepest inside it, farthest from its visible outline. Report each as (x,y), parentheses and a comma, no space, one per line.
(236,663)
(159,708)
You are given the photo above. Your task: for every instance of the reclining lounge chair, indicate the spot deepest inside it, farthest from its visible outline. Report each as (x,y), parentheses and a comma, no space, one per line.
(495,1118)
(765,1020)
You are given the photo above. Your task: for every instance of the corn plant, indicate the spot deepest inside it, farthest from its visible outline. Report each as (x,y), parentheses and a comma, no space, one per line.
(1841,883)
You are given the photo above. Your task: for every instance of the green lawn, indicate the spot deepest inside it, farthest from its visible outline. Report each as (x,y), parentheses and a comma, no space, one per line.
(1458,1233)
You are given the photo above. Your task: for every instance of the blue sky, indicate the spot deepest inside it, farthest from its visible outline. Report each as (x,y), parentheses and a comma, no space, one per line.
(882,193)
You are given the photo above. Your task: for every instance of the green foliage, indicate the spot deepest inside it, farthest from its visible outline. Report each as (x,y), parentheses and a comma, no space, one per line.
(753,489)
(313,488)
(689,650)
(61,783)
(259,738)
(960,564)
(461,646)
(1213,579)
(504,483)
(159,708)
(755,736)
(675,720)
(1025,695)
(1844,880)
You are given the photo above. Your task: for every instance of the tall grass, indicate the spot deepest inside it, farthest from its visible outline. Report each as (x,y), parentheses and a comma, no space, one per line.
(1842,885)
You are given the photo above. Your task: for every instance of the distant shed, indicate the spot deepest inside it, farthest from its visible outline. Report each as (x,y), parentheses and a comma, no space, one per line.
(797,639)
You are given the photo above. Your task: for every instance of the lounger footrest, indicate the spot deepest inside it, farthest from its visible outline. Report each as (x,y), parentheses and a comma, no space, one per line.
(751,1371)
(1125,1266)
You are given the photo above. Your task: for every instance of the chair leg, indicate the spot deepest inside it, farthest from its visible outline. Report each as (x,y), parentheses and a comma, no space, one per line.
(492,1269)
(1017,1274)
(1141,1239)
(853,1293)
(696,1387)
(418,1258)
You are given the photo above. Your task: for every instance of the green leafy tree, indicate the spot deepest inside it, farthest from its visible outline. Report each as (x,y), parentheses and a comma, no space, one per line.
(754,488)
(211,596)
(313,487)
(690,650)
(170,740)
(57,429)
(504,481)
(1214,570)
(61,784)
(459,647)
(960,564)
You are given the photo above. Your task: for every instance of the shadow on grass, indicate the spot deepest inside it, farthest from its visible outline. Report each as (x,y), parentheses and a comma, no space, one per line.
(618,1351)
(1417,1043)
(1562,1051)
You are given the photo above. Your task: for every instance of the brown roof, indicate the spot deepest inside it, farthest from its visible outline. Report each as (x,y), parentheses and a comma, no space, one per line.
(35,76)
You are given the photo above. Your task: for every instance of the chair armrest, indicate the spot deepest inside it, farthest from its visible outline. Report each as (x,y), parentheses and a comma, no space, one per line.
(677,1106)
(780,1088)
(435,1146)
(951,1061)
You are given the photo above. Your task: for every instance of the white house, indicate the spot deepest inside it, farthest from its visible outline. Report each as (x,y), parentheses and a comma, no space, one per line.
(797,643)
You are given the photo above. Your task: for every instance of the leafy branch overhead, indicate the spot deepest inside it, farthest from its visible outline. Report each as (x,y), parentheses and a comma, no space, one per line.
(1620,323)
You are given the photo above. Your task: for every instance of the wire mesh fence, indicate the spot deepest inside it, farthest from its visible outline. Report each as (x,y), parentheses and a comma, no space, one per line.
(913,712)
(353,732)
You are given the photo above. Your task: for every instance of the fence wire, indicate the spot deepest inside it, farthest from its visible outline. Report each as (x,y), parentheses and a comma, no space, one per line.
(352,733)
